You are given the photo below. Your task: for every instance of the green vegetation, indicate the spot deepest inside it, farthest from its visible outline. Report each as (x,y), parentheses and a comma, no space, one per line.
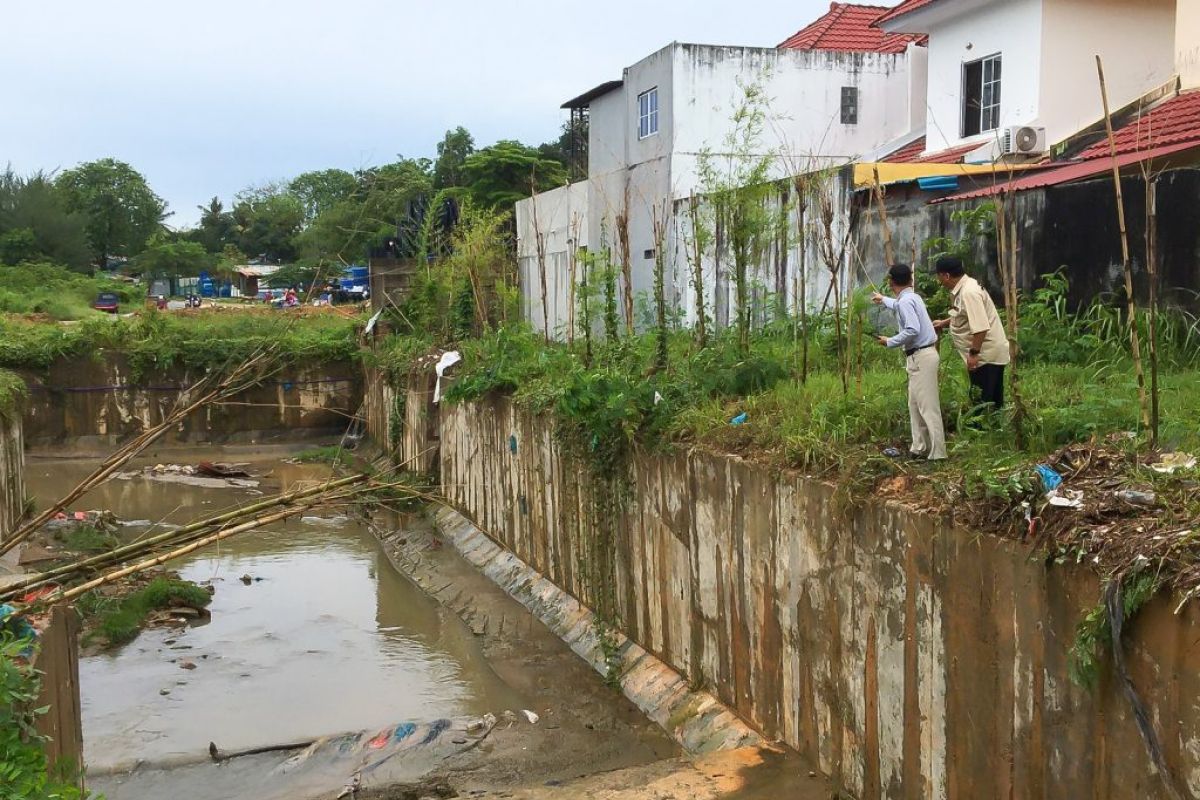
(334,454)
(204,339)
(24,772)
(118,619)
(13,393)
(42,288)
(88,539)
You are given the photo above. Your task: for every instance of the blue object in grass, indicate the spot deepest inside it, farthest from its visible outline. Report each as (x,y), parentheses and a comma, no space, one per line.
(740,419)
(1051,480)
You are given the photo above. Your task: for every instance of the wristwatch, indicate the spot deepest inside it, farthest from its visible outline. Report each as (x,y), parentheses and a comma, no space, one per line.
(973,352)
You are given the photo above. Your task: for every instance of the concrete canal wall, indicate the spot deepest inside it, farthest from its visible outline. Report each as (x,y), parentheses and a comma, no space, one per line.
(906,657)
(12,471)
(87,404)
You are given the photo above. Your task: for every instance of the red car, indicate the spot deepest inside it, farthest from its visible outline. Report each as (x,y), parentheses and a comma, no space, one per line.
(107,301)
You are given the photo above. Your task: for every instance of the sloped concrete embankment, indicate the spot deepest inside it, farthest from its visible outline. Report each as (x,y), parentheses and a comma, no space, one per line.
(93,404)
(906,657)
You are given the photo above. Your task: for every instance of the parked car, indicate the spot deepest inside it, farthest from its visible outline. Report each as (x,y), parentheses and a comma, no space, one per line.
(107,301)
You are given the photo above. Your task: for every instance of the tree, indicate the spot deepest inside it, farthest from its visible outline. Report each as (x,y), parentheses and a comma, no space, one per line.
(122,212)
(266,223)
(35,224)
(176,259)
(216,227)
(570,148)
(321,190)
(453,152)
(508,171)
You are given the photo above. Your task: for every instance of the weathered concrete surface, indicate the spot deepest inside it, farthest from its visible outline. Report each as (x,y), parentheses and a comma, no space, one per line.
(94,404)
(694,718)
(907,658)
(12,473)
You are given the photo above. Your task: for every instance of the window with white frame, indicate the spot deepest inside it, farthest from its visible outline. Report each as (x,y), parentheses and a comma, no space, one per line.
(981,96)
(648,113)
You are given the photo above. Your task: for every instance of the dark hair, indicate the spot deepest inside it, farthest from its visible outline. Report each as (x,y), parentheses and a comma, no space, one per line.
(950,265)
(901,274)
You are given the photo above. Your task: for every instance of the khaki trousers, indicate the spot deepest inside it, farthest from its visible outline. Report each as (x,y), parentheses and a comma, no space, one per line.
(924,404)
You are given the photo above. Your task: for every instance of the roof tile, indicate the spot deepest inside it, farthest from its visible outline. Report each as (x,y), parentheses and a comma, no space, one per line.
(912,153)
(907,7)
(848,27)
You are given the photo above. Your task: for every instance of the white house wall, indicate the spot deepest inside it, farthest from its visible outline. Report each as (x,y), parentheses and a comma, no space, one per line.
(630,177)
(560,218)
(1187,43)
(803,90)
(1136,40)
(1012,28)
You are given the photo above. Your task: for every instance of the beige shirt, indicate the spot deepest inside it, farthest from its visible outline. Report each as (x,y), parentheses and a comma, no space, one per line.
(972,311)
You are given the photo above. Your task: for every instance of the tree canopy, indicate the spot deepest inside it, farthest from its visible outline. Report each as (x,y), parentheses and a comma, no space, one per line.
(509,171)
(121,210)
(36,225)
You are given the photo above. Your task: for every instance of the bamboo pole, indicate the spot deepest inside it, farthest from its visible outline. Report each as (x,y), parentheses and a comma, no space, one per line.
(125,572)
(888,250)
(1152,333)
(1127,261)
(177,534)
(227,387)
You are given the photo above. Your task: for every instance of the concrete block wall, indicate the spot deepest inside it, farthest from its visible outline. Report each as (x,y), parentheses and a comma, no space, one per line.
(906,657)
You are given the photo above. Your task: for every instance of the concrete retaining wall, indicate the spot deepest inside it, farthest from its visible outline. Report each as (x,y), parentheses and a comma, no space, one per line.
(101,402)
(12,473)
(909,659)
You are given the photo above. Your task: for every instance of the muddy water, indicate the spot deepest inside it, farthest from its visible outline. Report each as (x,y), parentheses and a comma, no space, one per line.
(326,637)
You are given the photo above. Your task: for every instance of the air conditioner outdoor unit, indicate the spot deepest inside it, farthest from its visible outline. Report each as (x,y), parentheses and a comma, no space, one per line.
(1025,140)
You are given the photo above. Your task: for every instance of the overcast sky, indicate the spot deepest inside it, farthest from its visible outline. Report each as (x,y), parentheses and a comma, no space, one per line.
(208,98)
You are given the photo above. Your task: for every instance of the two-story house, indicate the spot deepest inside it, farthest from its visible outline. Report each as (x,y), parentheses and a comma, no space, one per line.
(998,64)
(837,89)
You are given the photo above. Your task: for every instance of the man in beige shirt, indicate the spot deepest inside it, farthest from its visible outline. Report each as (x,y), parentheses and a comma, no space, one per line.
(976,330)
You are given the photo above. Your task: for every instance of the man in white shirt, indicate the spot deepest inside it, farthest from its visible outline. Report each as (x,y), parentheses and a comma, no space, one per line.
(918,339)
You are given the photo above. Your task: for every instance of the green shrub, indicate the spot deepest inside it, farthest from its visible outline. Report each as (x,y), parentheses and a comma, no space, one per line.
(119,620)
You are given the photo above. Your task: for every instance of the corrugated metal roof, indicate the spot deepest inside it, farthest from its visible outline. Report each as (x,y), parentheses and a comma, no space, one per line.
(585,99)
(1054,176)
(848,27)
(1172,121)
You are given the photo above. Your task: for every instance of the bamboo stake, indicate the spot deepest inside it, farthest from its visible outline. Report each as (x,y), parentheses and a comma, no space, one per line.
(178,534)
(540,249)
(228,387)
(888,251)
(1152,267)
(1127,261)
(698,272)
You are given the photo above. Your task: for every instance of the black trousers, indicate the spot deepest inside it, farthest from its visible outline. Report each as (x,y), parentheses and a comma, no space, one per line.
(987,385)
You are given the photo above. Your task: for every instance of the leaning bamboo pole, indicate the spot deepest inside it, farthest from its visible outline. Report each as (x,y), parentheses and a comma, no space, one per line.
(1126,259)
(888,249)
(70,594)
(175,535)
(230,385)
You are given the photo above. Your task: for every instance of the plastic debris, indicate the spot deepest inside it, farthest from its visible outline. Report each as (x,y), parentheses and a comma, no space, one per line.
(740,419)
(448,360)
(1171,463)
(1065,498)
(529,715)
(1136,498)
(658,398)
(892,452)
(1051,480)
(512,443)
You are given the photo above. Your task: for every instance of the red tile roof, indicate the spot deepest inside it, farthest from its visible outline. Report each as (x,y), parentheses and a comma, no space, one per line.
(907,7)
(913,154)
(847,27)
(1175,121)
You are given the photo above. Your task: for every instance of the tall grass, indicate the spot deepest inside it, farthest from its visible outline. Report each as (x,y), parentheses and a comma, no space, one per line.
(35,288)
